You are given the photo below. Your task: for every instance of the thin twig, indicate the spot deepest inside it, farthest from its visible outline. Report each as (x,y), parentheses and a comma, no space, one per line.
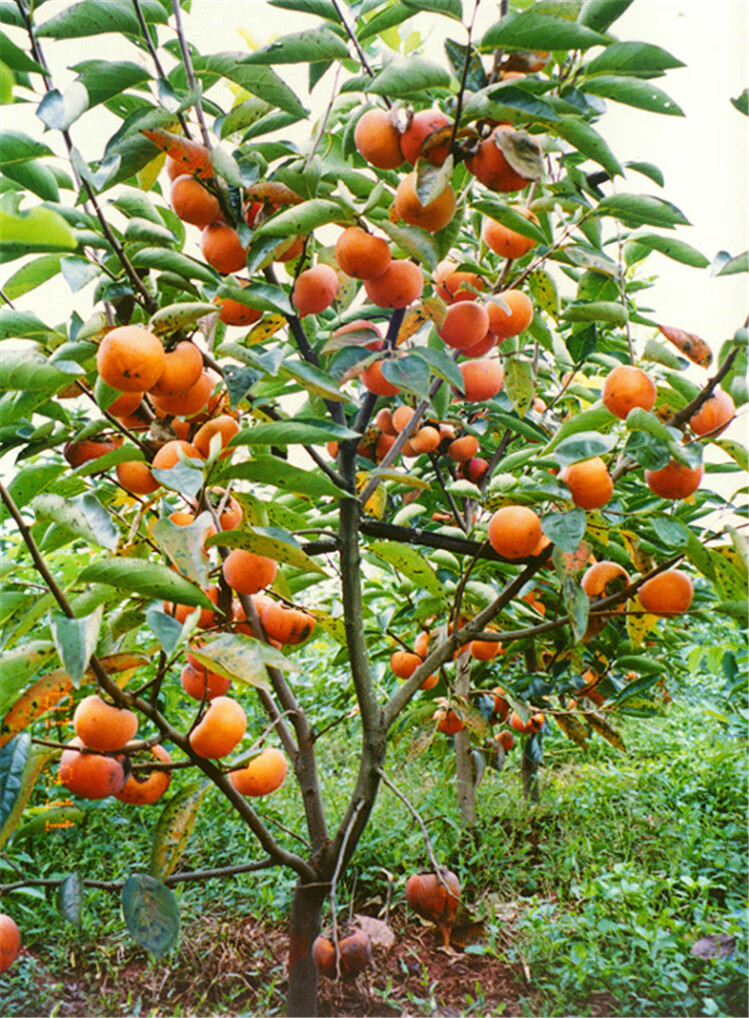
(414,813)
(190,72)
(464,77)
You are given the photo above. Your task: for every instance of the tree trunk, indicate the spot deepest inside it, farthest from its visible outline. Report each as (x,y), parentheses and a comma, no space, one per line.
(529,770)
(306,907)
(464,766)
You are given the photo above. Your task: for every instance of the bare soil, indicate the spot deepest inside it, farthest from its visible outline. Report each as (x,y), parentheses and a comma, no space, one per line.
(237,967)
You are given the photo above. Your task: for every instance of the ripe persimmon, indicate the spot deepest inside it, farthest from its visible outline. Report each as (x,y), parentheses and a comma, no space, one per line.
(125,404)
(398,286)
(431,217)
(90,775)
(504,324)
(130,359)
(534,723)
(289,249)
(452,285)
(222,425)
(373,379)
(287,625)
(384,421)
(506,242)
(714,416)
(188,403)
(135,476)
(675,480)
(247,573)
(355,954)
(463,449)
(603,579)
(401,416)
(448,721)
(324,956)
(466,324)
(506,740)
(482,380)
(482,347)
(361,254)
(668,593)
(199,682)
(377,140)
(490,165)
(366,328)
(193,203)
(221,729)
(145,787)
(78,453)
(425,137)
(10,941)
(315,290)
(514,531)
(174,452)
(436,898)
(625,388)
(484,650)
(262,775)
(590,483)
(183,366)
(222,248)
(102,726)
(206,619)
(403,663)
(501,707)
(425,439)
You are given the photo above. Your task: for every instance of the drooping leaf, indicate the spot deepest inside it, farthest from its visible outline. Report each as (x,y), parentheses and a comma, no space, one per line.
(185,545)
(578,607)
(600,14)
(405,76)
(632,58)
(13,758)
(151,913)
(641,210)
(604,728)
(642,95)
(84,516)
(174,827)
(75,641)
(532,30)
(518,384)
(582,446)
(565,529)
(69,899)
(596,311)
(692,346)
(36,762)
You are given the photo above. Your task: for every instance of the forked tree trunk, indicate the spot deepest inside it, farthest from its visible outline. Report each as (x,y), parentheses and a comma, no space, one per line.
(306,908)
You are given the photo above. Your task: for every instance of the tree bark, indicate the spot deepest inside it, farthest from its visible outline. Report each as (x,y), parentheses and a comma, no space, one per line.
(306,907)
(529,771)
(464,767)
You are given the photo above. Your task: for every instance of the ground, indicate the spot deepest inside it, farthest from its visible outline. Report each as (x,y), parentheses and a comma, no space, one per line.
(233,967)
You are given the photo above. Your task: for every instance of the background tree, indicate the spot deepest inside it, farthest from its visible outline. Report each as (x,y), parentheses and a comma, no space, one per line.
(440,290)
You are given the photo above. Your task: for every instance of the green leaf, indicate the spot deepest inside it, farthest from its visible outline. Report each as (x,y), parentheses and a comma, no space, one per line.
(151,911)
(741,102)
(166,629)
(450,8)
(36,762)
(733,265)
(632,92)
(410,562)
(640,210)
(313,379)
(16,58)
(17,147)
(303,219)
(30,481)
(75,641)
(583,446)
(21,664)
(185,545)
(31,275)
(632,58)
(176,317)
(414,241)
(270,542)
(13,758)
(256,79)
(293,431)
(735,450)
(532,30)
(441,364)
(104,79)
(476,78)
(566,529)
(596,311)
(174,827)
(90,17)
(647,170)
(406,76)
(388,17)
(301,48)
(69,899)
(49,818)
(589,142)
(670,531)
(84,516)
(143,231)
(642,420)
(600,14)
(544,291)
(321,8)
(38,229)
(284,476)
(7,81)
(150,579)
(34,177)
(672,248)
(409,373)
(171,261)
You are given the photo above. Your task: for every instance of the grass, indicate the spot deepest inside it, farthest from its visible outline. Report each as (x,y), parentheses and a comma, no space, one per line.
(624,863)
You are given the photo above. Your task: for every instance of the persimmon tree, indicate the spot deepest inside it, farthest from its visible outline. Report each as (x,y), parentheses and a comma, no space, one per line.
(413,346)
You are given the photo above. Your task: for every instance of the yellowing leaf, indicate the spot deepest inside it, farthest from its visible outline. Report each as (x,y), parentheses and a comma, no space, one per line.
(173,829)
(267,327)
(573,728)
(148,175)
(642,561)
(639,622)
(604,728)
(598,529)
